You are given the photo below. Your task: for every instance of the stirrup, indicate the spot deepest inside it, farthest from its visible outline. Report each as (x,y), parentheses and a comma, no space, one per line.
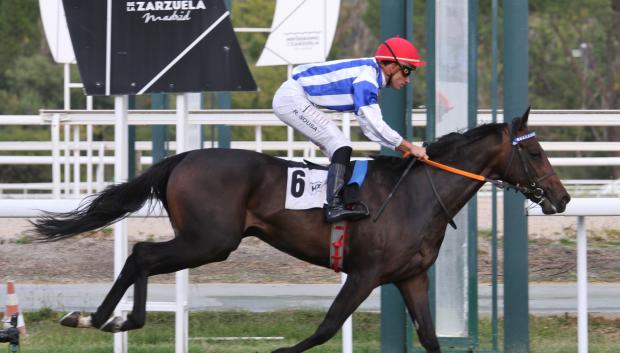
(339,212)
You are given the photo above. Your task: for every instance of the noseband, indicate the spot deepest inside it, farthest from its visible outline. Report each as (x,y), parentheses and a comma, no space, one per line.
(533,191)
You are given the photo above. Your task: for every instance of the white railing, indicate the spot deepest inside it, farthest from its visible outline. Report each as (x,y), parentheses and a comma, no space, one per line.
(582,208)
(69,156)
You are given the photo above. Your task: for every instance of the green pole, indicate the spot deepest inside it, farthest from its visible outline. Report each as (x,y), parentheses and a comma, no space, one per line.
(516,324)
(431,111)
(223,131)
(159,101)
(430,72)
(494,321)
(472,212)
(396,20)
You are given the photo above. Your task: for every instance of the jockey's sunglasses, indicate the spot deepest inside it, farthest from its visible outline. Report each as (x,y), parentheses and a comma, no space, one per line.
(406,70)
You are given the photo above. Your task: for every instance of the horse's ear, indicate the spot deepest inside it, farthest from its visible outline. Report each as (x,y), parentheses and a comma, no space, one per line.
(520,123)
(524,118)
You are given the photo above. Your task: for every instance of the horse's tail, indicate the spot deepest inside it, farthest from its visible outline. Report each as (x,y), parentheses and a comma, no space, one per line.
(115,202)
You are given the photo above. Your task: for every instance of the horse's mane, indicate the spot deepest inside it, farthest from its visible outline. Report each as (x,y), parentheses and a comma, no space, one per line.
(447,143)
(451,141)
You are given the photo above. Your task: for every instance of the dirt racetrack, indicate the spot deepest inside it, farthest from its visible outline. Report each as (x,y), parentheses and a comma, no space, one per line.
(87,259)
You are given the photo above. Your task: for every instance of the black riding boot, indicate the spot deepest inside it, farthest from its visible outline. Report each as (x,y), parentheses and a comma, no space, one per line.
(335,210)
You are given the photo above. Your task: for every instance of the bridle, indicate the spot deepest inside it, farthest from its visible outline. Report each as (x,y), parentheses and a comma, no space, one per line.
(532,191)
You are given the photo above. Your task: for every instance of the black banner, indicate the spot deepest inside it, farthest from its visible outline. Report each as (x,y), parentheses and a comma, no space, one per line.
(156,47)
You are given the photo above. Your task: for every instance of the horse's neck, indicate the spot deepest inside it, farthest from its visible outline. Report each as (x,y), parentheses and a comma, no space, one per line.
(478,158)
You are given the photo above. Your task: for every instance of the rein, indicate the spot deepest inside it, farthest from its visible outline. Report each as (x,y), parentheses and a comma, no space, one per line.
(532,189)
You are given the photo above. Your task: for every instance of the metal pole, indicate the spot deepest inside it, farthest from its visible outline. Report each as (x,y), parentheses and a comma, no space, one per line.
(67,89)
(182,123)
(56,156)
(290,137)
(396,106)
(516,309)
(131,146)
(121,173)
(159,101)
(494,321)
(472,212)
(347,327)
(582,285)
(89,159)
(67,165)
(431,113)
(258,136)
(76,161)
(182,277)
(224,102)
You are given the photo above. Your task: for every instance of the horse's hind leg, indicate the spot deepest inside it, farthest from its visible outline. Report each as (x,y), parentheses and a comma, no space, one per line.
(355,290)
(137,317)
(126,278)
(159,258)
(415,293)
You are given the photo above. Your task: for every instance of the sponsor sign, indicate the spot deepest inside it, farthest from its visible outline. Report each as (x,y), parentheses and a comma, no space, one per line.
(56,32)
(141,47)
(302,32)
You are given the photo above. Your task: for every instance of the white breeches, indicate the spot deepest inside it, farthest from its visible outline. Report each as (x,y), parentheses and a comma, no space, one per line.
(291,105)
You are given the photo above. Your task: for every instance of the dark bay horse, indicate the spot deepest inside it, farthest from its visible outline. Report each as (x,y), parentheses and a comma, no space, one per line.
(216,197)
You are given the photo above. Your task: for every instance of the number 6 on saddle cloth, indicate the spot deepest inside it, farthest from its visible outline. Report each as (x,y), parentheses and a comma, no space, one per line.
(306,186)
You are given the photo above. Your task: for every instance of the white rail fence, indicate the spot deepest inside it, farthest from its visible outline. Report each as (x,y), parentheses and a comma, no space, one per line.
(78,162)
(581,208)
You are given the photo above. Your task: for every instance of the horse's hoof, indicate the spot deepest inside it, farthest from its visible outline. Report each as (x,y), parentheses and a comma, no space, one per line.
(113,325)
(72,319)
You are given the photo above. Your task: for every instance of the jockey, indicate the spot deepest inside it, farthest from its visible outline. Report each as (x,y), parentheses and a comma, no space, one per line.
(350,85)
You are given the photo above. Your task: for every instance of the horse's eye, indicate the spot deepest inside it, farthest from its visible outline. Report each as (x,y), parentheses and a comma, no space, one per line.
(535,154)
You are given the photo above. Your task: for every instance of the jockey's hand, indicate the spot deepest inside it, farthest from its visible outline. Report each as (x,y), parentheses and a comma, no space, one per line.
(410,149)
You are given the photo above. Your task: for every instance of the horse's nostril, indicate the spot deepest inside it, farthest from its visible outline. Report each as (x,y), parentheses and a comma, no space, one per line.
(566,199)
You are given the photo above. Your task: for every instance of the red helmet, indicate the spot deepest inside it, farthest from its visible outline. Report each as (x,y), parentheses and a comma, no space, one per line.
(399,50)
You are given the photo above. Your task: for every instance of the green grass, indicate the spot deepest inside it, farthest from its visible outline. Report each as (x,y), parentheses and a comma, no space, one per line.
(23,239)
(547,334)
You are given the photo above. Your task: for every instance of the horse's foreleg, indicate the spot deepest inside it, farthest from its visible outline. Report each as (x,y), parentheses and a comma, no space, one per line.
(355,290)
(415,293)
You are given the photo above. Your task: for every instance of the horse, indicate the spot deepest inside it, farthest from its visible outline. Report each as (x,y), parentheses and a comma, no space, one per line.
(216,197)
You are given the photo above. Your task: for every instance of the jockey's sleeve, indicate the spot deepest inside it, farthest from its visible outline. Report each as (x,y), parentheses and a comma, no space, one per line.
(368,113)
(373,126)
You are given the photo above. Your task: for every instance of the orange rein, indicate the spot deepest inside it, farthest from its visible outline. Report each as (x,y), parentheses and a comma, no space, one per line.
(450,169)
(454,170)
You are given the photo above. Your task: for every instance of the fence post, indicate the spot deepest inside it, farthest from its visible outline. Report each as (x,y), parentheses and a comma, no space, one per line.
(582,285)
(56,156)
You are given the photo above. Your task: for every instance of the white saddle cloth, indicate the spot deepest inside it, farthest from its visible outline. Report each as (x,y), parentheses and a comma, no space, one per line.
(305,188)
